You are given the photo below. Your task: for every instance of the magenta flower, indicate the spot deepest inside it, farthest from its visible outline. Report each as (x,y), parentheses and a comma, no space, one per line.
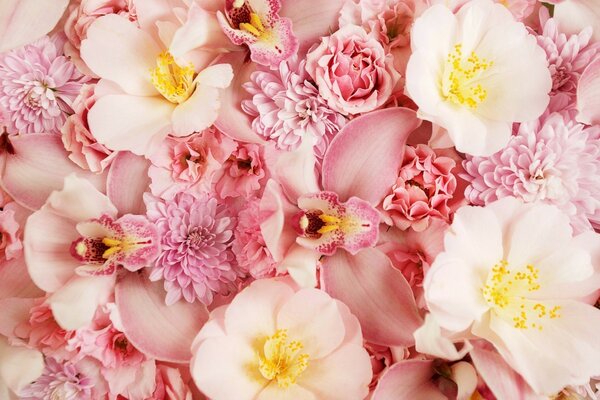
(422,191)
(568,55)
(60,380)
(38,85)
(195,260)
(249,244)
(287,108)
(257,24)
(554,160)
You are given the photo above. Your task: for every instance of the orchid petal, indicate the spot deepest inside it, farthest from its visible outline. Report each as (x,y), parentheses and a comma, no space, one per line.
(588,94)
(15,311)
(29,176)
(301,264)
(408,380)
(126,183)
(390,316)
(311,19)
(15,280)
(364,158)
(275,214)
(159,331)
(23,21)
(295,170)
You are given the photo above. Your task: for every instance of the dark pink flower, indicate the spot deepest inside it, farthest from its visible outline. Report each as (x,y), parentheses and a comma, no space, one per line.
(195,261)
(423,190)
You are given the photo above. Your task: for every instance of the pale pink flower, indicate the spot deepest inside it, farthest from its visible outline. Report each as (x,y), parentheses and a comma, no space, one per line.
(188,164)
(554,160)
(288,109)
(243,174)
(521,9)
(10,232)
(568,55)
(38,85)
(249,245)
(195,261)
(275,341)
(60,380)
(257,24)
(352,70)
(84,150)
(44,333)
(82,16)
(170,385)
(423,190)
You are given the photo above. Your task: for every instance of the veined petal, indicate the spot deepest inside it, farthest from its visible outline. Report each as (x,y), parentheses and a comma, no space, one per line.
(408,380)
(127,181)
(588,94)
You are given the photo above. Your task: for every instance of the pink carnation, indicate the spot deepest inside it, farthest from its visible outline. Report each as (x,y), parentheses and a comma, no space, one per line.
(60,380)
(249,245)
(243,172)
(195,260)
(353,71)
(82,16)
(287,108)
(10,233)
(188,164)
(568,55)
(554,160)
(44,332)
(422,191)
(38,85)
(77,139)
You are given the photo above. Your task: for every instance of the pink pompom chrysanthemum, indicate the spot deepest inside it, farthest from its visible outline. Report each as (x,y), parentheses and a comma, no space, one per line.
(38,85)
(195,260)
(59,381)
(554,160)
(287,107)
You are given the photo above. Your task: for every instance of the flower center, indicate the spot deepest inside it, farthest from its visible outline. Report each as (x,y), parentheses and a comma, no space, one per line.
(174,82)
(199,237)
(506,291)
(282,360)
(461,76)
(314,223)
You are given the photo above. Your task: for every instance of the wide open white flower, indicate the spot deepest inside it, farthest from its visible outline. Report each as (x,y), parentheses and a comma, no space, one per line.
(475,73)
(513,274)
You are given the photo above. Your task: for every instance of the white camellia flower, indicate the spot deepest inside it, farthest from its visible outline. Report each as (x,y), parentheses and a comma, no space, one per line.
(475,73)
(514,274)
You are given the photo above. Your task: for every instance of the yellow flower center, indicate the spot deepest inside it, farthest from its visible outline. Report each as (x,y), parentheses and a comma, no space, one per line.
(460,81)
(282,360)
(174,82)
(506,293)
(254,26)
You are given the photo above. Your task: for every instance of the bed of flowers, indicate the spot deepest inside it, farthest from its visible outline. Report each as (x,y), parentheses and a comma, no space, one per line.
(299,199)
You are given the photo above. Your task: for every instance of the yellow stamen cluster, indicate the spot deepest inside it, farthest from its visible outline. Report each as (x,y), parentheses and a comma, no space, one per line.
(282,360)
(506,292)
(345,224)
(254,27)
(174,82)
(461,75)
(116,246)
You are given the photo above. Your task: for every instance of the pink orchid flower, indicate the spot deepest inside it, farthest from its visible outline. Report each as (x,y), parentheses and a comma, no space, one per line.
(257,24)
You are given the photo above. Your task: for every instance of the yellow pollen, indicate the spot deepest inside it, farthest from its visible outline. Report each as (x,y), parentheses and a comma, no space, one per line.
(174,82)
(345,224)
(461,76)
(254,27)
(116,246)
(282,360)
(507,291)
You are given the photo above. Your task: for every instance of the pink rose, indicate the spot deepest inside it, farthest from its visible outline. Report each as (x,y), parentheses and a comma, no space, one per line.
(352,70)
(80,19)
(422,191)
(84,150)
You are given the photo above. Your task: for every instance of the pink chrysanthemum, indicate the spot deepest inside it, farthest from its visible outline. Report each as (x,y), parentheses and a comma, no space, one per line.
(568,55)
(38,85)
(554,160)
(195,260)
(59,381)
(249,245)
(287,107)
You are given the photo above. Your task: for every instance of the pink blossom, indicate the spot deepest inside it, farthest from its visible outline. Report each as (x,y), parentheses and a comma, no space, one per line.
(568,55)
(249,245)
(257,24)
(85,150)
(38,85)
(10,232)
(82,16)
(288,109)
(60,380)
(170,385)
(44,333)
(243,174)
(423,190)
(521,9)
(188,164)
(554,160)
(352,71)
(195,261)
